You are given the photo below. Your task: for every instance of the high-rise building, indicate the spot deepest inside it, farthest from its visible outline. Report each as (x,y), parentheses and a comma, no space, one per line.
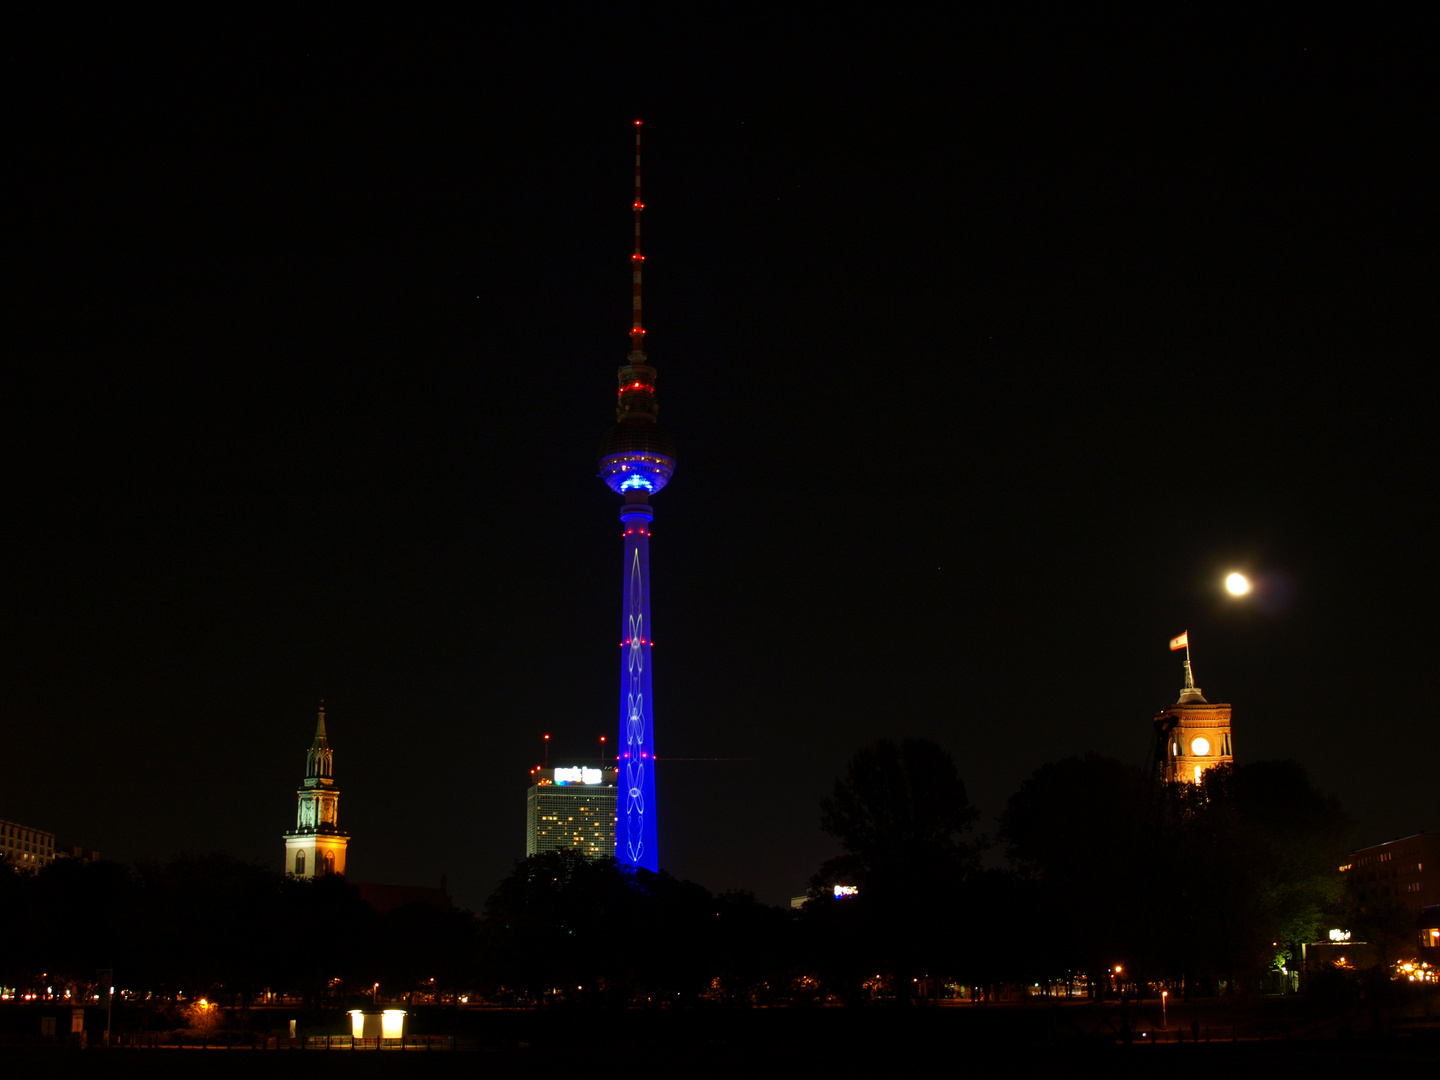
(1196,732)
(27,848)
(637,459)
(1402,873)
(316,845)
(571,807)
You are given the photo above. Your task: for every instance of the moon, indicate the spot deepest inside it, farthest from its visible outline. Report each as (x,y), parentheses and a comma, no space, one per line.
(1237,584)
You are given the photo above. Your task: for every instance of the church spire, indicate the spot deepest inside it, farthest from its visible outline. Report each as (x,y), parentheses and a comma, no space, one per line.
(320,763)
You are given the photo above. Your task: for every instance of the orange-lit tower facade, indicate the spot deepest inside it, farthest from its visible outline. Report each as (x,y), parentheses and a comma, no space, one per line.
(1197,733)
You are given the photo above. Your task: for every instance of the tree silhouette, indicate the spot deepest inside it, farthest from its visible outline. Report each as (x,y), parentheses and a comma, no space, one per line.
(902,814)
(1077,827)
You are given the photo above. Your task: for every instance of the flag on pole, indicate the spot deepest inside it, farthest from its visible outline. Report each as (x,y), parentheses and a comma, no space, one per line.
(1181,642)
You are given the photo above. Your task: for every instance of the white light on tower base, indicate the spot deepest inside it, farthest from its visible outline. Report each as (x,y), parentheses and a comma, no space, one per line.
(1237,584)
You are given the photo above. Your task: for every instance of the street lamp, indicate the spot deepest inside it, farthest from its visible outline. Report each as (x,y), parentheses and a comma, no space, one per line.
(1237,584)
(1163,995)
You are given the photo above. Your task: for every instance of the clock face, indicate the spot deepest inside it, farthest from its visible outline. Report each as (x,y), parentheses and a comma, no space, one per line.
(1200,746)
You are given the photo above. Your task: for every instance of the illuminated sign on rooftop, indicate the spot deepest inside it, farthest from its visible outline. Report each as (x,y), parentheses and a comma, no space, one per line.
(579,775)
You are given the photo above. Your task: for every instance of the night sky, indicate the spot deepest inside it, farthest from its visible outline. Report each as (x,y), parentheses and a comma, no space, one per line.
(988,345)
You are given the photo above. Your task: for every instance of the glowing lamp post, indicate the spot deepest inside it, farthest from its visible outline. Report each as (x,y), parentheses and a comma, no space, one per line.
(1163,995)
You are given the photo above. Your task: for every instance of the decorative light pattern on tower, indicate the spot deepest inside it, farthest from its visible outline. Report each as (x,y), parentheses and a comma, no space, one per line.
(637,742)
(635,832)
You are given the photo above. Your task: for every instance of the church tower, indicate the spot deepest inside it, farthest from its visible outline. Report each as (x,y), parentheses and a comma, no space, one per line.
(1196,733)
(316,845)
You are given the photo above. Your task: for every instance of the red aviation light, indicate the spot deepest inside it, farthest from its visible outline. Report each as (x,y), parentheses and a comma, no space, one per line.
(637,257)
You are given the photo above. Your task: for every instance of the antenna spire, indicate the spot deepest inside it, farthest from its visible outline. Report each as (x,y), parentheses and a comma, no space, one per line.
(1190,692)
(637,261)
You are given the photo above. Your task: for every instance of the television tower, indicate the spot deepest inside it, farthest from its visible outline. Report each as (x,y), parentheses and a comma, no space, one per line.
(637,459)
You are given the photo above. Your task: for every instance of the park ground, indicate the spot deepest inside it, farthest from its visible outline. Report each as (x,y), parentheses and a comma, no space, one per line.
(1199,1037)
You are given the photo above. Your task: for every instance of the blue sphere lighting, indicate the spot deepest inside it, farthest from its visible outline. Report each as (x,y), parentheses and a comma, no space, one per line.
(637,456)
(636,472)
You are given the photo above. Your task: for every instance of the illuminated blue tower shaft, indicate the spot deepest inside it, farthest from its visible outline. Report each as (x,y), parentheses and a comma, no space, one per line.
(635,831)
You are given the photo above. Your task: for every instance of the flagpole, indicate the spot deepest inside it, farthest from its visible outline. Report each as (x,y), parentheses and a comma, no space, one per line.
(1190,691)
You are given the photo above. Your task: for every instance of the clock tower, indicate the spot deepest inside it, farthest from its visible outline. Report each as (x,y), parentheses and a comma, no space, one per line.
(1196,733)
(316,846)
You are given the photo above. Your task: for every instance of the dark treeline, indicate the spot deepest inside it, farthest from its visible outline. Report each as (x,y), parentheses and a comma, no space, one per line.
(1194,885)
(211,925)
(1203,887)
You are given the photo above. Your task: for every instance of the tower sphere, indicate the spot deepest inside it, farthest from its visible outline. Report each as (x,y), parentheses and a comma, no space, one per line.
(637,456)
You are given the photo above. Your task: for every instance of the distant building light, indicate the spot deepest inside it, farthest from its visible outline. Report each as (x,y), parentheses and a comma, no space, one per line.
(1339,935)
(846,890)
